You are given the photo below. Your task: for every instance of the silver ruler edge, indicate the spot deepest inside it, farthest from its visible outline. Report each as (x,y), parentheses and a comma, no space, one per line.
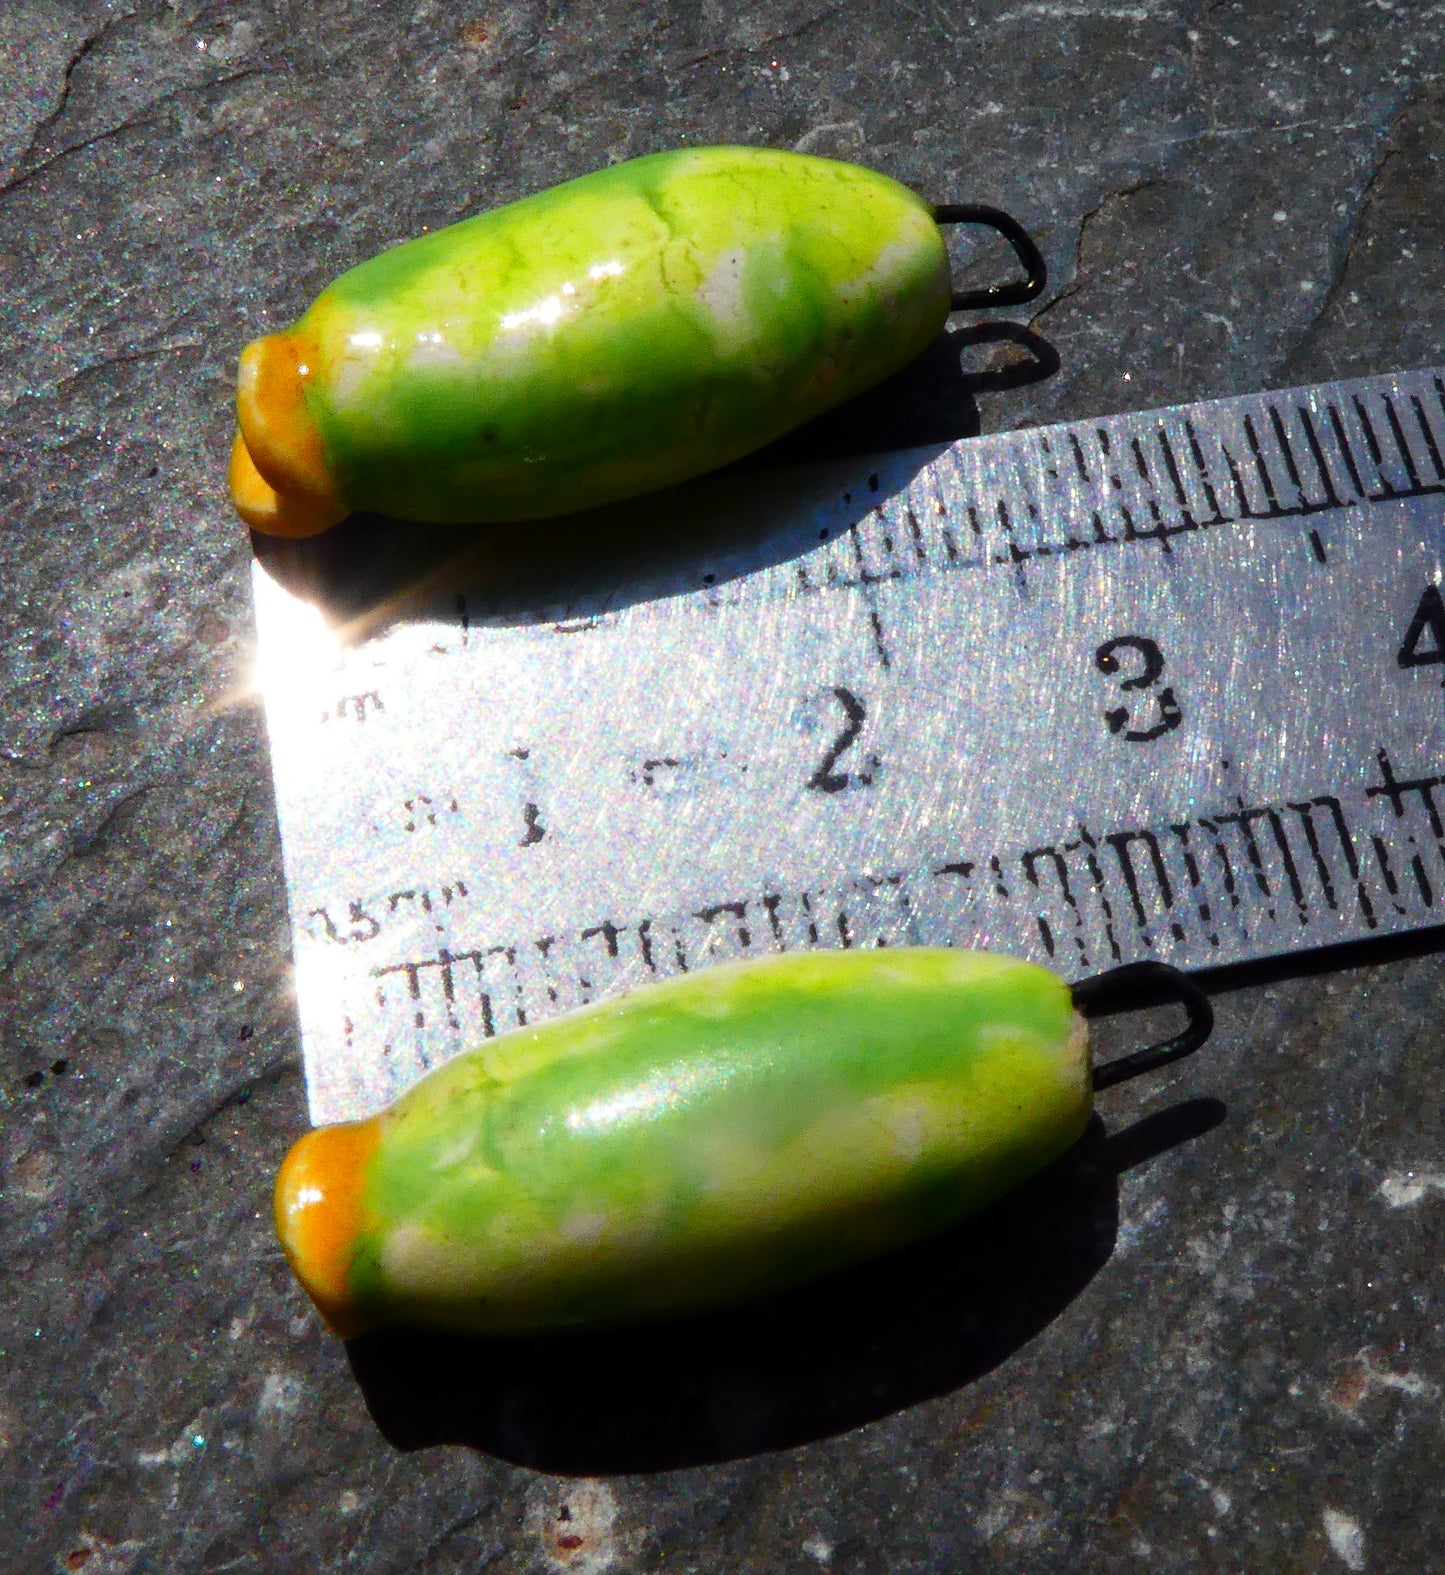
(484,822)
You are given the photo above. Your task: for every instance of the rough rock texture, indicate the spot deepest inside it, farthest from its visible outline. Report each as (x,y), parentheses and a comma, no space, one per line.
(1241,1366)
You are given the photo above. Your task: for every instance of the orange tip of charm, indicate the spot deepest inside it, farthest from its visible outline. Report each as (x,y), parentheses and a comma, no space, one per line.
(275,513)
(319,1215)
(280,478)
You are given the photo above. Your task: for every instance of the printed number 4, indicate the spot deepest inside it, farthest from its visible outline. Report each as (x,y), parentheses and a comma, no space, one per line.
(1429,620)
(1151,669)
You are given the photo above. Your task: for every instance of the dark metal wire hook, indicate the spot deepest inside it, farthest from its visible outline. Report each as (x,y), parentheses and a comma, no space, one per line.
(1122,987)
(1035,273)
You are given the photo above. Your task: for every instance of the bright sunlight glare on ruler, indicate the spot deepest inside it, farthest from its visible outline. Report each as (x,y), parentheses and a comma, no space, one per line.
(1165,684)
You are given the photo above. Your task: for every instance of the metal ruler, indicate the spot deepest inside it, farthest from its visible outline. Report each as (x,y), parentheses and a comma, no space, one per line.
(1163,685)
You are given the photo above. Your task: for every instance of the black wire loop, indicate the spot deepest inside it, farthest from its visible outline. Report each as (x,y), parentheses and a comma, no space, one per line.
(1124,987)
(1035,273)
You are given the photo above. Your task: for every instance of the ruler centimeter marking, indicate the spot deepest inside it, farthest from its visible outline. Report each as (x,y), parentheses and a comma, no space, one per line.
(1161,684)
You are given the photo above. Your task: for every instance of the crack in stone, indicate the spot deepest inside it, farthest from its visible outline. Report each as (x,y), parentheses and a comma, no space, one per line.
(82,51)
(26,176)
(1337,281)
(124,358)
(1070,290)
(805,26)
(116,817)
(271,1070)
(1390,150)
(461,1522)
(147,117)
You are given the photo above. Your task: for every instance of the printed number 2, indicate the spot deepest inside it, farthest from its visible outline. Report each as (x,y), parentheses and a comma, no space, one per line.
(828,780)
(1107,660)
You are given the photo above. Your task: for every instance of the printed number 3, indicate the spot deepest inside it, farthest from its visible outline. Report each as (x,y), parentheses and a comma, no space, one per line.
(1107,660)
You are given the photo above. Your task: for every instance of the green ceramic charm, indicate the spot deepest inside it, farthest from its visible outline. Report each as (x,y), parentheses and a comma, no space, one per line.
(714,1137)
(616,334)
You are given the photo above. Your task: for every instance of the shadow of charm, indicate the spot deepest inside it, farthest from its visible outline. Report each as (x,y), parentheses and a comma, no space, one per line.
(836,1354)
(372,572)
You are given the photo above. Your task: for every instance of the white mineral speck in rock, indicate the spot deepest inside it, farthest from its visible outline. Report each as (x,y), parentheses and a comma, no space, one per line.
(280,1397)
(1346,1538)
(1361,1379)
(819,1549)
(188,1446)
(574,1522)
(1406,1187)
(837,139)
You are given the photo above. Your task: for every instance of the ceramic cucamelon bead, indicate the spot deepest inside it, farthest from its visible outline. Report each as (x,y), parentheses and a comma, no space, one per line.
(613,335)
(714,1137)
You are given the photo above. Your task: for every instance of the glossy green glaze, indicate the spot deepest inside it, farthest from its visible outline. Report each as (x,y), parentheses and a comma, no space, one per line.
(613,335)
(715,1137)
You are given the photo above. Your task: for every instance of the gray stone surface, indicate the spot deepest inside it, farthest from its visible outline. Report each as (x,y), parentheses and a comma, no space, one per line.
(1241,1367)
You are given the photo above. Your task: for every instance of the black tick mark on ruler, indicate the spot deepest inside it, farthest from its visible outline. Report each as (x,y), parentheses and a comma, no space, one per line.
(535,830)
